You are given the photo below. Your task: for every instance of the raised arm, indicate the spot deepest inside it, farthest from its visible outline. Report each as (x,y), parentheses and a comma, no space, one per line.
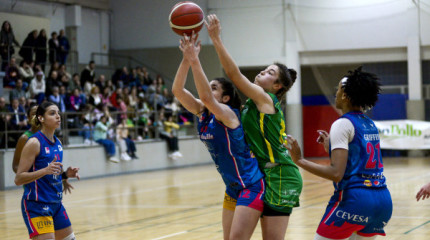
(255,92)
(28,156)
(187,99)
(191,48)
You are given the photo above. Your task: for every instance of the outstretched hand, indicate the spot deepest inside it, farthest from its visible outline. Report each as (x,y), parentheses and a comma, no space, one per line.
(190,47)
(294,149)
(213,25)
(72,172)
(67,187)
(424,192)
(323,139)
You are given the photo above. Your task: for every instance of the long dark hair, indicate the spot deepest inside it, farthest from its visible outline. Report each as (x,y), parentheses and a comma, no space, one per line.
(3,27)
(229,90)
(287,77)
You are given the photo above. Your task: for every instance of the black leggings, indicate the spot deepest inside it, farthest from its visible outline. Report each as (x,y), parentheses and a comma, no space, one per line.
(172,142)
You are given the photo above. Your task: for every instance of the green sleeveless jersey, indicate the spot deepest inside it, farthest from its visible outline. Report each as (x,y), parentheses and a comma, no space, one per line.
(264,135)
(28,133)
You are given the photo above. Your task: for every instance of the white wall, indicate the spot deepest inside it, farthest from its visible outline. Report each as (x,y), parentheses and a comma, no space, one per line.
(253,30)
(144,24)
(93,34)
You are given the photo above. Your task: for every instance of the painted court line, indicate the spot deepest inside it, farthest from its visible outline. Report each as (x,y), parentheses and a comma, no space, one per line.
(170,235)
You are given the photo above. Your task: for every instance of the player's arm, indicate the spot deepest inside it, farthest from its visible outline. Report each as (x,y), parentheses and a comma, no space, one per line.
(187,99)
(222,112)
(253,91)
(28,156)
(18,150)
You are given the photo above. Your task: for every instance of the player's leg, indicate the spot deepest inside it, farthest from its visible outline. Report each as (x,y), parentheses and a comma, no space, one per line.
(318,237)
(244,222)
(228,209)
(248,210)
(358,237)
(274,227)
(63,226)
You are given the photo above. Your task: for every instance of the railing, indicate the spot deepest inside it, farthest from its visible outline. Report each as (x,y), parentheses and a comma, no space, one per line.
(72,63)
(73,126)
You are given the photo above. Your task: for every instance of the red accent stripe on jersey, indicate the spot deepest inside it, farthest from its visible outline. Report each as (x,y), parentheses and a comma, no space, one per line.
(35,184)
(234,159)
(370,234)
(334,207)
(260,195)
(33,229)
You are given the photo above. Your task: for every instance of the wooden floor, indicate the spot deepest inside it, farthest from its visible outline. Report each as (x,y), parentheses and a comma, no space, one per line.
(186,204)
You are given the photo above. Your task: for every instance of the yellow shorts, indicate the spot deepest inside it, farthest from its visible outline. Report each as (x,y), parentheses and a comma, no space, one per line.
(229,202)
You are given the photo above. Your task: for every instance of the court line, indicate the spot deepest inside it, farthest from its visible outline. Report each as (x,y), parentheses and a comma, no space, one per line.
(416,227)
(170,235)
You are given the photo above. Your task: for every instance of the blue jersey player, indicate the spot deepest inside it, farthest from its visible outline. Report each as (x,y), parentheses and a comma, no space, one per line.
(221,131)
(361,205)
(40,170)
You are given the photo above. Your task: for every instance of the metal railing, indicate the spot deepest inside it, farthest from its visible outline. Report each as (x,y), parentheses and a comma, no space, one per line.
(81,124)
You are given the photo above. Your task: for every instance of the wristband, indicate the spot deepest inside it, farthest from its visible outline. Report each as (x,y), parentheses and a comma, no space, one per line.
(64,176)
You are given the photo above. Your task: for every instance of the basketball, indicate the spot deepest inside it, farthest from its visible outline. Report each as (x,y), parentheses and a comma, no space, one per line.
(185,17)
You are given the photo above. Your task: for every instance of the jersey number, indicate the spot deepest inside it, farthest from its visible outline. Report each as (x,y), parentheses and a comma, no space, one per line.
(371,161)
(245,193)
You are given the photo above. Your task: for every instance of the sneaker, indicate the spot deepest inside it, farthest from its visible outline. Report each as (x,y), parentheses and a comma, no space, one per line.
(133,156)
(125,157)
(114,159)
(87,142)
(139,138)
(177,154)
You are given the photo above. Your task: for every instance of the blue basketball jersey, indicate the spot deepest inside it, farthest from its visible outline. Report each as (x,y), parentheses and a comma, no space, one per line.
(49,188)
(364,167)
(229,151)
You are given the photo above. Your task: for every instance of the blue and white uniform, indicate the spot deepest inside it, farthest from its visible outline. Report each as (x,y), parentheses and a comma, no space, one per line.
(41,205)
(361,202)
(234,161)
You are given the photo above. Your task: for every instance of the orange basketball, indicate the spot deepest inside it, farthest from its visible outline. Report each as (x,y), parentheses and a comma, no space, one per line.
(185,17)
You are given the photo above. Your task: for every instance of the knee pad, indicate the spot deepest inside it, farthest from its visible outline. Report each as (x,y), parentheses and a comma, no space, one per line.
(70,237)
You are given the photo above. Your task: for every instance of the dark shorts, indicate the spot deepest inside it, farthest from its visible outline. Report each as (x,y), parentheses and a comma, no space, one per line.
(41,218)
(252,197)
(362,210)
(270,212)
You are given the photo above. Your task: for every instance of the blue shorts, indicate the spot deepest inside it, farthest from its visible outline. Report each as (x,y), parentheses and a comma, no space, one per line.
(365,211)
(252,196)
(41,218)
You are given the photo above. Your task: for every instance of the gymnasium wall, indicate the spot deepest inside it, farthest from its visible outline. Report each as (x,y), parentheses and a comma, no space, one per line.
(93,34)
(92,160)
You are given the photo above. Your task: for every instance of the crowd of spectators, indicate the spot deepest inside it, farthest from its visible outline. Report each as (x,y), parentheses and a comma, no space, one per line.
(91,104)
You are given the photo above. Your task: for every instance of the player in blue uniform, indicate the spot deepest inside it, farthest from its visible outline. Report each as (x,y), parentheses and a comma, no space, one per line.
(221,131)
(40,170)
(361,205)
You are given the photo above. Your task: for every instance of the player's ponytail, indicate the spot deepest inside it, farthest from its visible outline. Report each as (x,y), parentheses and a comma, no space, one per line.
(287,77)
(229,90)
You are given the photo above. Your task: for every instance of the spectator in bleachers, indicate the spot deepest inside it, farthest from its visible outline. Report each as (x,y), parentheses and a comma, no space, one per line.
(28,46)
(105,97)
(56,98)
(54,48)
(64,46)
(101,82)
(126,144)
(162,87)
(114,96)
(18,120)
(17,92)
(7,39)
(62,71)
(41,49)
(26,71)
(4,121)
(132,99)
(95,98)
(167,130)
(100,136)
(121,77)
(12,74)
(74,83)
(76,102)
(143,118)
(157,100)
(147,80)
(88,74)
(38,87)
(55,66)
(122,108)
(52,81)
(152,88)
(64,81)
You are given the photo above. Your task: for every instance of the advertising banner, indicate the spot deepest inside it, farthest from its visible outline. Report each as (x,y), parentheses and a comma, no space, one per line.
(404,134)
